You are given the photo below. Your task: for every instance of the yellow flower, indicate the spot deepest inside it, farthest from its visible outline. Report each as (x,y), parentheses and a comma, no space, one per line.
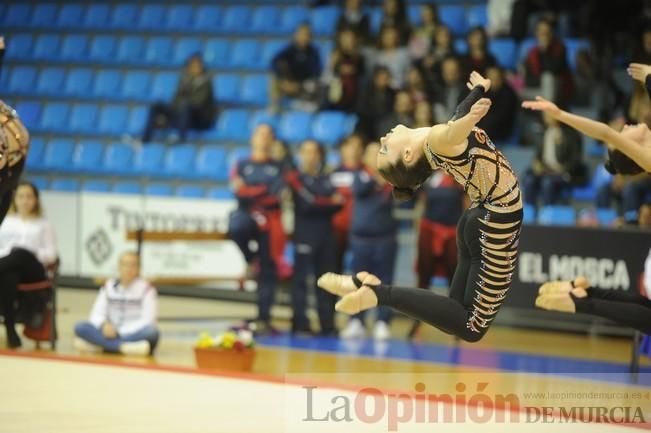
(205,340)
(228,340)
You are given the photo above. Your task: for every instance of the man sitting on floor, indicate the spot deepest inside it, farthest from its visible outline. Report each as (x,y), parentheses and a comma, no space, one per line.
(123,318)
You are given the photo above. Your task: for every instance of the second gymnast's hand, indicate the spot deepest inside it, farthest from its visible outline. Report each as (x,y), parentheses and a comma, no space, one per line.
(476,79)
(541,104)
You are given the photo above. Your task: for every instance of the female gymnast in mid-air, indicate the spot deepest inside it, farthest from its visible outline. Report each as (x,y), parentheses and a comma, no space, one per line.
(487,233)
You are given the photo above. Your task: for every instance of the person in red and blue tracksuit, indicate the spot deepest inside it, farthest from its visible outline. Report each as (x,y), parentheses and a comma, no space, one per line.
(315,202)
(258,182)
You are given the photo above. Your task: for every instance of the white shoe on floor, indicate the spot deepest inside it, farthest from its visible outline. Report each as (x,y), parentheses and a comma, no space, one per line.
(381,331)
(136,348)
(84,346)
(354,329)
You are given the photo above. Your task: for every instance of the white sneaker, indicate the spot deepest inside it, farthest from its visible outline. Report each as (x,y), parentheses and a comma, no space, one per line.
(84,346)
(354,329)
(381,331)
(136,348)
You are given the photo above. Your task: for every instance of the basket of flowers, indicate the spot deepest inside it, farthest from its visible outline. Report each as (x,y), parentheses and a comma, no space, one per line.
(233,350)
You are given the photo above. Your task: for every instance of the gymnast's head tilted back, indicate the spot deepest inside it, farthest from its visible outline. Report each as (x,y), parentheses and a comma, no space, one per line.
(14,138)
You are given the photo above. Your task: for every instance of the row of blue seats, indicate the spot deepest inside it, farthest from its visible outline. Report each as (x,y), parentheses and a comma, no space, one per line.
(134,86)
(158,51)
(564,215)
(126,187)
(233,125)
(266,19)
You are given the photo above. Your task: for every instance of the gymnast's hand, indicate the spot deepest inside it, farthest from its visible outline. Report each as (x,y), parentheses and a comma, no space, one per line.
(639,71)
(476,79)
(479,109)
(541,104)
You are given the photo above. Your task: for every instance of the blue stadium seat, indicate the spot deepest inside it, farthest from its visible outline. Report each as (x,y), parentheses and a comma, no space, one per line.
(118,159)
(78,82)
(124,16)
(375,18)
(103,49)
(95,186)
(130,50)
(136,85)
(233,125)
(220,193)
(46,47)
(30,113)
(324,20)
(98,16)
(461,46)
(245,54)
(292,17)
(529,214)
(40,182)
(265,20)
(19,46)
(557,215)
(236,19)
(262,116)
(163,86)
(158,51)
(65,185)
(83,118)
(36,154)
(54,116)
(270,49)
(58,154)
(329,127)
(158,189)
(477,16)
(50,81)
(207,18)
(216,53)
(113,120)
(413,14)
(190,191)
(523,49)
(325,49)
(44,16)
(70,16)
(295,126)
(255,90)
(17,16)
(573,46)
(152,17)
(127,188)
(179,18)
(211,164)
(584,193)
(107,84)
(184,48)
(236,155)
(74,48)
(505,52)
(455,18)
(22,80)
(227,87)
(180,162)
(88,156)
(149,159)
(137,119)
(606,217)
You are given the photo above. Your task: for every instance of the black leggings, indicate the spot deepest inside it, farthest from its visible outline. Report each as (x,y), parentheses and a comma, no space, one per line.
(487,249)
(625,308)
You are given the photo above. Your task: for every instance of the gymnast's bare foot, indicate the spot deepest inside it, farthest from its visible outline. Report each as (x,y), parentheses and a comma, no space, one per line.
(559,287)
(338,284)
(560,301)
(362,298)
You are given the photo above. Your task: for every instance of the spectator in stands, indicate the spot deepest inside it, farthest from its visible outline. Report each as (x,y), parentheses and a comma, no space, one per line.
(372,238)
(499,120)
(423,115)
(257,182)
(376,100)
(588,87)
(417,86)
(557,165)
(344,74)
(642,53)
(546,70)
(351,150)
(394,15)
(442,49)
(393,56)
(478,57)
(354,18)
(296,69)
(403,113)
(123,317)
(634,194)
(315,202)
(281,152)
(644,216)
(27,247)
(499,17)
(422,36)
(193,106)
(452,91)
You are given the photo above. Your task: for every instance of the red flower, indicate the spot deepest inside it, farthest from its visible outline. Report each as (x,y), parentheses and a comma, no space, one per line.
(238,345)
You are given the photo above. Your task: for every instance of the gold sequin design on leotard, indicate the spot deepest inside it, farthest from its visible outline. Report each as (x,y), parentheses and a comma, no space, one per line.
(490,182)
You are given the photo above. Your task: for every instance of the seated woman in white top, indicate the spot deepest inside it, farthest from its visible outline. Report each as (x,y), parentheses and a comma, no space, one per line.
(123,318)
(27,247)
